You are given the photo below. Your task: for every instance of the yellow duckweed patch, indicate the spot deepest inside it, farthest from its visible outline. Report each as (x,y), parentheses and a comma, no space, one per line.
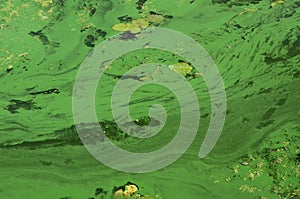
(44,3)
(140,23)
(130,189)
(135,30)
(154,18)
(181,68)
(274,3)
(134,27)
(122,27)
(247,188)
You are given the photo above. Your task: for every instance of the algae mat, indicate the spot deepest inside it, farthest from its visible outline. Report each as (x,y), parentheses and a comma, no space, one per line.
(254,43)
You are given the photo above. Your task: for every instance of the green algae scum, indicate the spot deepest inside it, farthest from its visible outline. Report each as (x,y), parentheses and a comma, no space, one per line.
(255,45)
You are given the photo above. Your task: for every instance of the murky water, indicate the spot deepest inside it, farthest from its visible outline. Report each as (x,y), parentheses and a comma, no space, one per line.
(255,45)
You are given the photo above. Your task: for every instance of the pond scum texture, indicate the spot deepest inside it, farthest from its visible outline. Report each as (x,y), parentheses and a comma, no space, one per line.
(254,43)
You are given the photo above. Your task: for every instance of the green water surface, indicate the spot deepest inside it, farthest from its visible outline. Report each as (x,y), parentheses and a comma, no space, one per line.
(255,45)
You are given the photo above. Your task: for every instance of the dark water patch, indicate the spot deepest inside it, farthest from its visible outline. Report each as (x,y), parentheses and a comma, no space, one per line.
(168,16)
(220,1)
(16,123)
(125,19)
(8,70)
(245,119)
(281,101)
(42,37)
(69,136)
(59,3)
(46,92)
(19,104)
(297,4)
(205,115)
(140,4)
(127,35)
(264,91)
(45,163)
(34,144)
(143,121)
(100,33)
(69,161)
(250,83)
(59,6)
(294,50)
(265,124)
(248,95)
(151,99)
(268,114)
(298,157)
(296,73)
(68,70)
(89,41)
(231,3)
(90,7)
(10,129)
(100,192)
(272,60)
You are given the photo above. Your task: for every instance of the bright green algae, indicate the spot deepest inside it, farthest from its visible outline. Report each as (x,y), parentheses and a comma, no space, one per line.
(255,45)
